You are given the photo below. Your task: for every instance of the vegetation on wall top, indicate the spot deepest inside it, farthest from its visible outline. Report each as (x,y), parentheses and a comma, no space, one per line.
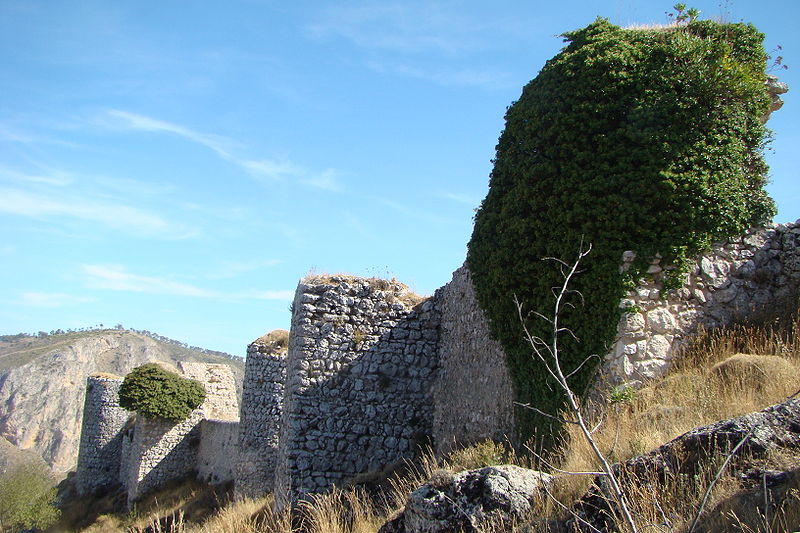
(154,392)
(629,139)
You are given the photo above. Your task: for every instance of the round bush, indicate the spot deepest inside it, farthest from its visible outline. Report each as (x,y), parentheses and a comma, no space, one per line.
(154,392)
(629,139)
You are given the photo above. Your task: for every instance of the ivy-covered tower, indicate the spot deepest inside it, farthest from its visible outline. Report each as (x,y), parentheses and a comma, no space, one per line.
(629,139)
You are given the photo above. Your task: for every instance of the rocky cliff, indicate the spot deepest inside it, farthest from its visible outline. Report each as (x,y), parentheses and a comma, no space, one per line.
(42,382)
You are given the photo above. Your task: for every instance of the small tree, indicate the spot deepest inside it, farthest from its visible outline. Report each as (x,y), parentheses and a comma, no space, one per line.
(27,495)
(154,392)
(547,352)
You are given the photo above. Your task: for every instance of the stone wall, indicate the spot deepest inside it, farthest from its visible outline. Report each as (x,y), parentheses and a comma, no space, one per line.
(473,393)
(162,451)
(360,371)
(221,401)
(260,415)
(125,452)
(217,456)
(740,278)
(101,435)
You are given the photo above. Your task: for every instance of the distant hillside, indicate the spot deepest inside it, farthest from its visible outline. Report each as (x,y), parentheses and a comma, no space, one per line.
(42,381)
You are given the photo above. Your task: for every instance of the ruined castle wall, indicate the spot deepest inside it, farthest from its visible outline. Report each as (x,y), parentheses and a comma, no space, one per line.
(739,278)
(260,418)
(162,451)
(473,391)
(216,457)
(126,447)
(221,401)
(360,373)
(101,435)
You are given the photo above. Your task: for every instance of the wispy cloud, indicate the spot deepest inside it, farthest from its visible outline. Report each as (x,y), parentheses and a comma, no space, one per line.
(117,278)
(411,212)
(113,215)
(401,26)
(327,180)
(51,299)
(358,225)
(232,269)
(8,134)
(460,198)
(135,121)
(54,178)
(448,77)
(269,169)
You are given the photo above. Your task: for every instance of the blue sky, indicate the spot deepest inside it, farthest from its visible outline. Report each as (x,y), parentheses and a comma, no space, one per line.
(178,166)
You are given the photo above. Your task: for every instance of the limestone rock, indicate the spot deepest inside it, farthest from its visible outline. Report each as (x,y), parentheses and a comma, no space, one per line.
(471,499)
(765,431)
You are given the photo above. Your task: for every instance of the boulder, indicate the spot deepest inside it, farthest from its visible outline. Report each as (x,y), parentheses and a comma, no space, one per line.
(775,428)
(468,500)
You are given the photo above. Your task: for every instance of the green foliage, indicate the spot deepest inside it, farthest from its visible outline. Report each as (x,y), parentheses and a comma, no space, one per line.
(154,392)
(27,494)
(682,14)
(622,395)
(629,139)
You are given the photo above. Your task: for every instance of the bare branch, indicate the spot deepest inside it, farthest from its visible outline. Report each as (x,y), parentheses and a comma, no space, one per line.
(553,368)
(570,511)
(582,363)
(548,415)
(556,469)
(718,476)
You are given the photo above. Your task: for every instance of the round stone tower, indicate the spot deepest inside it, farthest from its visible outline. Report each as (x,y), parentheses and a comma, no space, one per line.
(260,418)
(101,434)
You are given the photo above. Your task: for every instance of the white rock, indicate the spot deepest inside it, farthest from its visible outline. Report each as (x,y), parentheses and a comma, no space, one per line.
(660,320)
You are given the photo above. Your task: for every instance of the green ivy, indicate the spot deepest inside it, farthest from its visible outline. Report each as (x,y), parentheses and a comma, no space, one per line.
(629,139)
(154,392)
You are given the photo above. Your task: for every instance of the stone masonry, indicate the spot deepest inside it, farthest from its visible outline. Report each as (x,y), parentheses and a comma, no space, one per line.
(737,279)
(360,368)
(473,394)
(162,450)
(101,435)
(260,416)
(144,455)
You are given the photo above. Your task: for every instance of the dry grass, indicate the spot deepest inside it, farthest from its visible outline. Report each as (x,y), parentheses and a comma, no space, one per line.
(398,291)
(277,338)
(713,380)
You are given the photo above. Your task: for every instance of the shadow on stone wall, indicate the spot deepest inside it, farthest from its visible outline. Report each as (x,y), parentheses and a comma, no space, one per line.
(360,371)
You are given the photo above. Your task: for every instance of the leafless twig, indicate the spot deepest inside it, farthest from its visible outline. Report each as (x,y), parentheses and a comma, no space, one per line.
(717,478)
(547,352)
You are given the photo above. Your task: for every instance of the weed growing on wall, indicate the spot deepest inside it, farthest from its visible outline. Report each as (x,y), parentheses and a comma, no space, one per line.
(629,139)
(154,392)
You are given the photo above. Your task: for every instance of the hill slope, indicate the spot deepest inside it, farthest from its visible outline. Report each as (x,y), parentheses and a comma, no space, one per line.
(42,381)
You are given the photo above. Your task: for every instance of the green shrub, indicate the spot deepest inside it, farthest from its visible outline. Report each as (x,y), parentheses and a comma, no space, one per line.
(629,139)
(154,392)
(27,495)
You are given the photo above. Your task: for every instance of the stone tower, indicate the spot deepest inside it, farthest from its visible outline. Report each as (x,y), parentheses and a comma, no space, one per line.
(101,434)
(260,417)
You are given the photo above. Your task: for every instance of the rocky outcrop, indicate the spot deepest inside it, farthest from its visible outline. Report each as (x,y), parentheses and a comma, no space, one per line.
(756,434)
(470,500)
(42,384)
